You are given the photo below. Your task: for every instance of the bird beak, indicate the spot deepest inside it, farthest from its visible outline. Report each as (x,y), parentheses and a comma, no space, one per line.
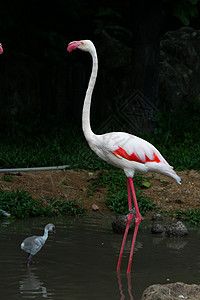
(73,45)
(1,49)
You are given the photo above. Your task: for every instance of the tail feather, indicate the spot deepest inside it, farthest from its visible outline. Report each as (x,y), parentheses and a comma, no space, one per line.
(164,169)
(175,176)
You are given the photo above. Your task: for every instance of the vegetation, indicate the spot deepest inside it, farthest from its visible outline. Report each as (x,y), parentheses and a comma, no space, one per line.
(114,181)
(49,144)
(30,143)
(192,216)
(184,10)
(21,205)
(176,135)
(44,145)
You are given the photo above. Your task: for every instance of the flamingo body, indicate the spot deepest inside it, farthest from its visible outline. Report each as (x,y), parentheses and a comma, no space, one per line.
(131,153)
(34,243)
(123,150)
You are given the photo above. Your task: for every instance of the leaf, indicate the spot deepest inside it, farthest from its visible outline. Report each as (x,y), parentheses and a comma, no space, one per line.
(146,184)
(184,11)
(194,11)
(194,2)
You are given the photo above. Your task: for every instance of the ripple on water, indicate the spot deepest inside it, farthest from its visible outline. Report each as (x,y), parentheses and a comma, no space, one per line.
(79,262)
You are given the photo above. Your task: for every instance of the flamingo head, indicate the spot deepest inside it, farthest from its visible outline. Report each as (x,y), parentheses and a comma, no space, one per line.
(84,45)
(50,227)
(1,49)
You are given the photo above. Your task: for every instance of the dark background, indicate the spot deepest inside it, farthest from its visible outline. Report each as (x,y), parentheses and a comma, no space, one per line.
(40,82)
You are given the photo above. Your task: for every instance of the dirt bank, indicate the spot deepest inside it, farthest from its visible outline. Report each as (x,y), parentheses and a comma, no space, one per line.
(70,185)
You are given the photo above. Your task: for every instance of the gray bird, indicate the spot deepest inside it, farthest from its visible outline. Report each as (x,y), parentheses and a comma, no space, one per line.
(33,244)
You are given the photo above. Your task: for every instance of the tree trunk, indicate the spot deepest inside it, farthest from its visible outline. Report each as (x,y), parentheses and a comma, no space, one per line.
(147,18)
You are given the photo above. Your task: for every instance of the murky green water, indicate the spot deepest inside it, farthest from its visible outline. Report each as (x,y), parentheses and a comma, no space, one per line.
(79,262)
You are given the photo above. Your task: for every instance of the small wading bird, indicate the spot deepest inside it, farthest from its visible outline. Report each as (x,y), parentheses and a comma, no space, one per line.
(33,244)
(123,150)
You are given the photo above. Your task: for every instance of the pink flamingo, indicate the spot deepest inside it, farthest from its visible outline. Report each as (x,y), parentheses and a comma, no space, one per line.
(123,150)
(1,49)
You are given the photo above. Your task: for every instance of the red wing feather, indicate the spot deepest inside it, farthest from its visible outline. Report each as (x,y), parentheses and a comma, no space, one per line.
(133,157)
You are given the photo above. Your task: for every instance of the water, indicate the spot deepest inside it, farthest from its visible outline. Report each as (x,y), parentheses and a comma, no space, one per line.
(79,262)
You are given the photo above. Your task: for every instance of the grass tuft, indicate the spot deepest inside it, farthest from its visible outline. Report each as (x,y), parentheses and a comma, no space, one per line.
(115,182)
(193,216)
(21,205)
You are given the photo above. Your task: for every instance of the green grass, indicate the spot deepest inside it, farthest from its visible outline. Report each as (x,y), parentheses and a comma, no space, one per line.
(8,178)
(115,182)
(47,146)
(192,216)
(21,205)
(176,135)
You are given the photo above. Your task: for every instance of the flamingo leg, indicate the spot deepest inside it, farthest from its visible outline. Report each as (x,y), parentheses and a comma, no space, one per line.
(129,220)
(29,260)
(137,222)
(130,189)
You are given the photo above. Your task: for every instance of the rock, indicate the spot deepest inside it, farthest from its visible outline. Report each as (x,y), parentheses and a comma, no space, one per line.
(173,230)
(119,224)
(91,173)
(65,196)
(95,207)
(176,230)
(157,217)
(157,228)
(172,291)
(179,201)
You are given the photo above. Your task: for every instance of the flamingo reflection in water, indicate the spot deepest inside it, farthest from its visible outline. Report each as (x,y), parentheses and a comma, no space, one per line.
(121,288)
(32,286)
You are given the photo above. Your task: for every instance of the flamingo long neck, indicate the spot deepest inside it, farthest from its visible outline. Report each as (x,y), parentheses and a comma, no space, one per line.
(45,235)
(87,102)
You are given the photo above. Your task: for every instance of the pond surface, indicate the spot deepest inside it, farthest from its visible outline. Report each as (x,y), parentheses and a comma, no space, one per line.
(79,262)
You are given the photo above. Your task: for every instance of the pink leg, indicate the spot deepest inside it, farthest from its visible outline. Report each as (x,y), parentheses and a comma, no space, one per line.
(129,220)
(137,223)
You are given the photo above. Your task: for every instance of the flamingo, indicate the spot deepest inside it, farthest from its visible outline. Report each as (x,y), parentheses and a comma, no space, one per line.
(33,244)
(123,150)
(1,49)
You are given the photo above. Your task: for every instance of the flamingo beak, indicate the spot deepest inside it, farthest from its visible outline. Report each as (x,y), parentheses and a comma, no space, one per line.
(1,49)
(73,45)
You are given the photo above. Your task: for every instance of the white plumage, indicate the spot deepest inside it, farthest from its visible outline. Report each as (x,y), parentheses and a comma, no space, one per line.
(144,156)
(33,244)
(141,155)
(123,150)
